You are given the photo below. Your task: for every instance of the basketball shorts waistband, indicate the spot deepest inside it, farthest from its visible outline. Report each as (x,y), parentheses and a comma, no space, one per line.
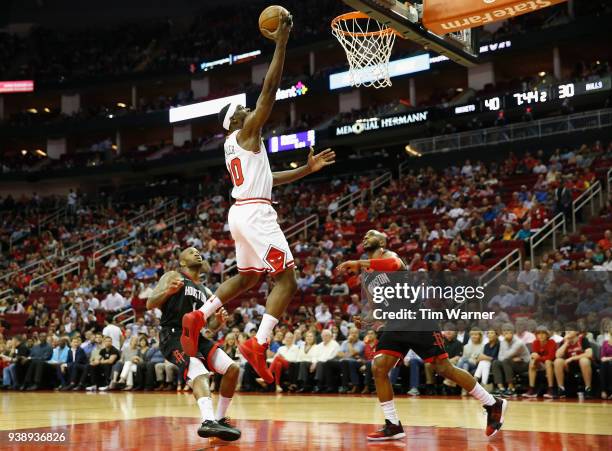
(253,200)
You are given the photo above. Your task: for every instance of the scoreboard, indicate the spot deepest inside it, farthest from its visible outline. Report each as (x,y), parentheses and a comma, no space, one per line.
(536,96)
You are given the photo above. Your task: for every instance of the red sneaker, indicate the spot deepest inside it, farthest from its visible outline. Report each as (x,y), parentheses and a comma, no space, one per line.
(255,354)
(389,432)
(192,325)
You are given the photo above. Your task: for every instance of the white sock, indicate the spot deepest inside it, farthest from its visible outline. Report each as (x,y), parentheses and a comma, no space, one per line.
(206,408)
(388,408)
(265,328)
(482,395)
(211,305)
(222,406)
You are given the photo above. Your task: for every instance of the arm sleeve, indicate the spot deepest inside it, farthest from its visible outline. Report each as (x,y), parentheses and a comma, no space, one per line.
(385,264)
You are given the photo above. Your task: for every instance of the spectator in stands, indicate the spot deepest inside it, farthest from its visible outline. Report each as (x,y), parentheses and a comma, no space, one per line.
(542,357)
(589,304)
(307,361)
(485,359)
(369,350)
(327,350)
(58,359)
(523,298)
(471,351)
(138,327)
(324,316)
(285,356)
(321,283)
(574,356)
(513,358)
(101,372)
(113,331)
(34,366)
(522,331)
(351,356)
(113,302)
(125,367)
(339,288)
(415,363)
(75,363)
(354,308)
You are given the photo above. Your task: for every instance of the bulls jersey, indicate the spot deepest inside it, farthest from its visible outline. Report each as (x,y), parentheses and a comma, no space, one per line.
(250,171)
(189,298)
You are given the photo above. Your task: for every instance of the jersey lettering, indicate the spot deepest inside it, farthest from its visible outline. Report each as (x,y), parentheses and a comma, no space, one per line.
(236,172)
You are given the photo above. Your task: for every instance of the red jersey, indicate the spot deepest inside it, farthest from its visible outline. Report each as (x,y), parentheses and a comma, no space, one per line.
(546,350)
(577,348)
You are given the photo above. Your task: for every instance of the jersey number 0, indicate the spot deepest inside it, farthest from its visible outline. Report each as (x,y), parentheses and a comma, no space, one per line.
(236,172)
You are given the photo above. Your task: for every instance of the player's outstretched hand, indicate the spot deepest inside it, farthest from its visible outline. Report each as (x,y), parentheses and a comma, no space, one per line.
(351,266)
(283,30)
(222,316)
(319,161)
(174,286)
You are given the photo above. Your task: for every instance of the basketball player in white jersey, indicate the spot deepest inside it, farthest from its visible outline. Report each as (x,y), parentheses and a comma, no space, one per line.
(261,246)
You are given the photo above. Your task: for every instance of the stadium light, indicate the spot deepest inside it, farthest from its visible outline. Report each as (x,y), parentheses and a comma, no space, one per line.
(201,109)
(41,153)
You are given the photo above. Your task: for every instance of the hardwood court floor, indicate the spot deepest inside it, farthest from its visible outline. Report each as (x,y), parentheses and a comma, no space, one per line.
(168,421)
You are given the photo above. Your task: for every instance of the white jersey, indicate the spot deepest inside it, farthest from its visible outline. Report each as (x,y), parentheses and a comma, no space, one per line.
(250,171)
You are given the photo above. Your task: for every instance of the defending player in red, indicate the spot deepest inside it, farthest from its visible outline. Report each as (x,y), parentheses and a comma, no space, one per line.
(394,344)
(261,246)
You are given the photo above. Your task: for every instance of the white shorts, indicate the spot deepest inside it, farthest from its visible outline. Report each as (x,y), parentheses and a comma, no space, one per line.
(261,245)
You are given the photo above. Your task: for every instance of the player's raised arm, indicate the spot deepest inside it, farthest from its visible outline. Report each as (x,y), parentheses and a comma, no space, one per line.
(255,121)
(315,163)
(168,285)
(388,262)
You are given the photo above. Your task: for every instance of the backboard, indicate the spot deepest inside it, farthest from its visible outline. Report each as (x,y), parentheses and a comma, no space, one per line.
(461,47)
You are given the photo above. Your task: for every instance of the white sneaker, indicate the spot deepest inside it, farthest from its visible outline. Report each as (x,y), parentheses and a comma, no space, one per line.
(414,391)
(105,388)
(91,388)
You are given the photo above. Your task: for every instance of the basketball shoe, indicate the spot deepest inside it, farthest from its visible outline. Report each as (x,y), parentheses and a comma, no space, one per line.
(192,325)
(495,416)
(389,432)
(255,354)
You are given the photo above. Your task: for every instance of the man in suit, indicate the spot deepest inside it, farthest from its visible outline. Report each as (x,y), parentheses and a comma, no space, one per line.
(74,366)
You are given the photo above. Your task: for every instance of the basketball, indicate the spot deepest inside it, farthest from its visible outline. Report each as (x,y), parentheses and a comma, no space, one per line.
(269,18)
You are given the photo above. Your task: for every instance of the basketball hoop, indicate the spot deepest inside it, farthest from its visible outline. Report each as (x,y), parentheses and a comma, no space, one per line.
(368,45)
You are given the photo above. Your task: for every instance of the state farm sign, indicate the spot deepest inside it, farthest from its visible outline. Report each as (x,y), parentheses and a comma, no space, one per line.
(442,16)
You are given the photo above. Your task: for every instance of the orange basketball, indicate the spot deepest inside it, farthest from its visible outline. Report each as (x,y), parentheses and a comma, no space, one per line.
(269,19)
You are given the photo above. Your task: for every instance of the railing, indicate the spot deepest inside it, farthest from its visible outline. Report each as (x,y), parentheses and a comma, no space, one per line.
(350,199)
(55,274)
(505,264)
(609,179)
(549,229)
(586,197)
(6,294)
(515,132)
(302,226)
(125,316)
(110,249)
(138,220)
(52,217)
(296,229)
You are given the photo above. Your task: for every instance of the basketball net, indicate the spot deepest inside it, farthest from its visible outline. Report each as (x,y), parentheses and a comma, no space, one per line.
(368,45)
